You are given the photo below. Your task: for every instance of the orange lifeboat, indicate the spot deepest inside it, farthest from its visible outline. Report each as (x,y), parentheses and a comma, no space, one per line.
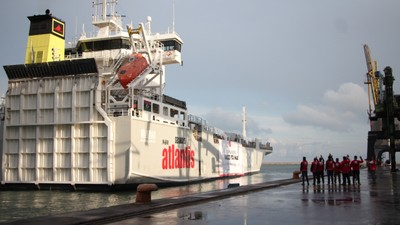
(130,70)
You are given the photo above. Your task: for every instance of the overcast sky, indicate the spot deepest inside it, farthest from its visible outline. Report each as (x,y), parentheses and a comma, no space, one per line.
(297,66)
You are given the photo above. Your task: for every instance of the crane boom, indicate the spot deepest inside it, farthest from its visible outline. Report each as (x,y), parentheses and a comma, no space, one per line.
(373,79)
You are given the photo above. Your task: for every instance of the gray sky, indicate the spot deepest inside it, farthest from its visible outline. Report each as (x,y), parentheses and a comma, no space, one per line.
(297,66)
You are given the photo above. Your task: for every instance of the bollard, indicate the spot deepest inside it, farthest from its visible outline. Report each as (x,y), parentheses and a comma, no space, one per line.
(143,194)
(296,174)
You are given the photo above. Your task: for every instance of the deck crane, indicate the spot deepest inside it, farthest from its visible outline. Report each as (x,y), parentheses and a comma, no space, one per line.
(374,81)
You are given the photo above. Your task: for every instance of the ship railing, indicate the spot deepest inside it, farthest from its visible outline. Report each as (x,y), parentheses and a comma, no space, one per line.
(76,55)
(233,137)
(149,94)
(265,146)
(217,131)
(115,19)
(168,33)
(198,120)
(245,141)
(119,111)
(141,47)
(248,142)
(106,55)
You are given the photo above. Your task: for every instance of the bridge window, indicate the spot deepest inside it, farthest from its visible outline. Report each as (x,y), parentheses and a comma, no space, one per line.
(172,45)
(103,45)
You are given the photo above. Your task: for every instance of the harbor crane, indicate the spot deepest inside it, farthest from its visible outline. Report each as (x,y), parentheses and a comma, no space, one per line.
(383,134)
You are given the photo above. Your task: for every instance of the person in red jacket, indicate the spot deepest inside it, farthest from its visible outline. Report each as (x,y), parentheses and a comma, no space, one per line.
(355,168)
(372,168)
(320,170)
(338,171)
(329,165)
(313,169)
(304,170)
(345,164)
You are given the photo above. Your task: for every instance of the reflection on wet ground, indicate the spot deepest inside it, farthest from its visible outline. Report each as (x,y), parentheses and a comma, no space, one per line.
(369,203)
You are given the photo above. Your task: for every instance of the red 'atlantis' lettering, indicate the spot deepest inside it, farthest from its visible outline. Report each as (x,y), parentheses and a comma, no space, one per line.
(178,162)
(177,158)
(171,157)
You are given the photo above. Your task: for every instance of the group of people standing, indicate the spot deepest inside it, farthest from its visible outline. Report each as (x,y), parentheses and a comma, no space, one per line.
(338,172)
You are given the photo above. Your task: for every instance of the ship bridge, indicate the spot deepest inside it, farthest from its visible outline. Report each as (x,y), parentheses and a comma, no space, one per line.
(172,48)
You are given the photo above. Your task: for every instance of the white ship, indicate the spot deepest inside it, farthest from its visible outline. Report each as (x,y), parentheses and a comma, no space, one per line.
(96,116)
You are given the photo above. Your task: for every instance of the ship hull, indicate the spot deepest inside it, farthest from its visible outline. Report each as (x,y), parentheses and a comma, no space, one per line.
(164,153)
(56,134)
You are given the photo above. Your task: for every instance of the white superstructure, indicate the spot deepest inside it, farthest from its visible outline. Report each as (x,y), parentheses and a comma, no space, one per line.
(98,118)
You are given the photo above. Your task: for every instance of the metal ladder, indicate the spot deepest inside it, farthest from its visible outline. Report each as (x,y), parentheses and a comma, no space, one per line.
(119,59)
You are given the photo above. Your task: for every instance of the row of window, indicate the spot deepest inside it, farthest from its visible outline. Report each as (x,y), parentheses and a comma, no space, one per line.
(172,45)
(103,45)
(99,45)
(155,108)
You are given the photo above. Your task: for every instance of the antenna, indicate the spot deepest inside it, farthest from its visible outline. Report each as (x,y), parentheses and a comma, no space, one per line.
(173,16)
(104,10)
(76,30)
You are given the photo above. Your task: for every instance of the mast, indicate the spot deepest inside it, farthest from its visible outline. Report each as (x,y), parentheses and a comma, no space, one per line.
(244,122)
(106,19)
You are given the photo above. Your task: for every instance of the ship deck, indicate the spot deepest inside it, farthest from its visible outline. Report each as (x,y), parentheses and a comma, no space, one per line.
(276,202)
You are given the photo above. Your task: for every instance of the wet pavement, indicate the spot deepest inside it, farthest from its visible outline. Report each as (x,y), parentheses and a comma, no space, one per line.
(277,202)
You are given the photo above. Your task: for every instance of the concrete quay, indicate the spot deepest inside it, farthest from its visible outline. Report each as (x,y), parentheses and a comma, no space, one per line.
(275,202)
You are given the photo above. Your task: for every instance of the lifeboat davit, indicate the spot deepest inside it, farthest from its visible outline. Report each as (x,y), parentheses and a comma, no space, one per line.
(136,64)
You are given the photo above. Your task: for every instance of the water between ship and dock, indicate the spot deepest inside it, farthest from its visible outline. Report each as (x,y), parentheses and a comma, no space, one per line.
(15,205)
